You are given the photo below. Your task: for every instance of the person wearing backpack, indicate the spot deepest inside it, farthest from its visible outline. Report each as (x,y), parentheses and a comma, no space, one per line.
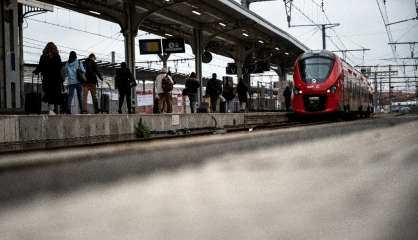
(75,72)
(124,81)
(90,85)
(164,84)
(192,86)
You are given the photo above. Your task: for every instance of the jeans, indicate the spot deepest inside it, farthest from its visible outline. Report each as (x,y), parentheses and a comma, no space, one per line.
(71,90)
(214,103)
(192,100)
(92,88)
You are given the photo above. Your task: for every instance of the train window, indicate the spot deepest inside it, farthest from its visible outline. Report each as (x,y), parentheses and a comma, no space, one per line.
(315,69)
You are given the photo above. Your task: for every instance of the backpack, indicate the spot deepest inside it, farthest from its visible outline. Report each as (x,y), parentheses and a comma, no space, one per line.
(167,84)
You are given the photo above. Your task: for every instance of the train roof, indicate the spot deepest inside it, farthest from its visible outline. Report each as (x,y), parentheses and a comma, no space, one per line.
(321,53)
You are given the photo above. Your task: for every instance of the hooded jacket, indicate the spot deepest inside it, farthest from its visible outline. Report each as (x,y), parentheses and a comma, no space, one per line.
(71,71)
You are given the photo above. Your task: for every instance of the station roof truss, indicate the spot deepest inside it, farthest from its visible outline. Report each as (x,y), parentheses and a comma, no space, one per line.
(226,26)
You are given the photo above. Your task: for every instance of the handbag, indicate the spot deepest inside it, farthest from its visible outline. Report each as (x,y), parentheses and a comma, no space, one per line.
(81,76)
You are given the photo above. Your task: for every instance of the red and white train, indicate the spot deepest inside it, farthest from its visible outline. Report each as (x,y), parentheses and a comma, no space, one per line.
(325,84)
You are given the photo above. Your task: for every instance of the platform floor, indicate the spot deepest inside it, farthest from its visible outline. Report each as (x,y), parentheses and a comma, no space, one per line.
(354,180)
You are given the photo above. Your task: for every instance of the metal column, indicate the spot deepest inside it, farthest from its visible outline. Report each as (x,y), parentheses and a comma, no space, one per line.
(375,99)
(324,39)
(198,51)
(390,89)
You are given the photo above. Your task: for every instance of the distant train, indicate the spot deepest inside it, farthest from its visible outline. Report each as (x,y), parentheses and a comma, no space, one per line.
(325,84)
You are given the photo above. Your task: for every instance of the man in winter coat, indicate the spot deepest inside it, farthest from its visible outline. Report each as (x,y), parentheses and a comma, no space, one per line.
(214,90)
(228,93)
(165,102)
(192,86)
(91,81)
(124,81)
(242,91)
(287,94)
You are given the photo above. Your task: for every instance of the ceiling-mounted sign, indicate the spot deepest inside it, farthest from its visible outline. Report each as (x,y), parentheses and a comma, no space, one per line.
(231,69)
(206,57)
(150,46)
(174,45)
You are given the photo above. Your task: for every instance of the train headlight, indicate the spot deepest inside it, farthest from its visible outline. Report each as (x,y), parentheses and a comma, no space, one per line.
(332,89)
(297,91)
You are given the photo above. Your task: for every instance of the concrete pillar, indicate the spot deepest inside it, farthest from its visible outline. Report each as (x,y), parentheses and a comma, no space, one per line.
(2,59)
(130,31)
(21,59)
(10,83)
(198,52)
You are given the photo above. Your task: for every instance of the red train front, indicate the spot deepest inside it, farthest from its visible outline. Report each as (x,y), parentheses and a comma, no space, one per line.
(323,83)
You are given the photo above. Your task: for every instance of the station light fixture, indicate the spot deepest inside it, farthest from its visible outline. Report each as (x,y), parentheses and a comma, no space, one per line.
(95,13)
(222,24)
(286,53)
(196,12)
(260,41)
(278,49)
(245,34)
(168,35)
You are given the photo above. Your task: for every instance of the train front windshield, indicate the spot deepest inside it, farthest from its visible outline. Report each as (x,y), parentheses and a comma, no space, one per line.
(315,69)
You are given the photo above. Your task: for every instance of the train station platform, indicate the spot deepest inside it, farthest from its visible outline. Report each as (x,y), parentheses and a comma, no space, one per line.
(32,132)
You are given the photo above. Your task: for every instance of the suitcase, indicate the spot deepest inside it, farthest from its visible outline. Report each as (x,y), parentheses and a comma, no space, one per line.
(105,103)
(203,108)
(64,104)
(223,106)
(33,100)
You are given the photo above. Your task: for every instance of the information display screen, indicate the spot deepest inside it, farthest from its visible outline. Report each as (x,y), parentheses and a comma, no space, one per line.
(150,46)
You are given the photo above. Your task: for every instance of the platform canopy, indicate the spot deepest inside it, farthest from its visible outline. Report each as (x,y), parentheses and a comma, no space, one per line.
(225,25)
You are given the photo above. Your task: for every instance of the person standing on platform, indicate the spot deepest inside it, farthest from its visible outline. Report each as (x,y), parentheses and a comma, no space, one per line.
(228,94)
(192,86)
(50,66)
(91,82)
(163,87)
(124,81)
(242,90)
(214,90)
(287,94)
(75,72)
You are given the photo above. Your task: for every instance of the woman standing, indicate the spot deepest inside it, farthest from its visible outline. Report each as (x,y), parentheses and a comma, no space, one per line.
(50,67)
(242,90)
(228,94)
(74,69)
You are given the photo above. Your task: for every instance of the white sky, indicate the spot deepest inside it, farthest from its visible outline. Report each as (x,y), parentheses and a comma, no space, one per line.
(361,26)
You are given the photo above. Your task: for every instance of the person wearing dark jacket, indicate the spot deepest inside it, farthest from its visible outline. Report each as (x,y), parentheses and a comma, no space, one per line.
(287,94)
(192,85)
(214,90)
(228,94)
(50,66)
(124,81)
(242,90)
(91,82)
